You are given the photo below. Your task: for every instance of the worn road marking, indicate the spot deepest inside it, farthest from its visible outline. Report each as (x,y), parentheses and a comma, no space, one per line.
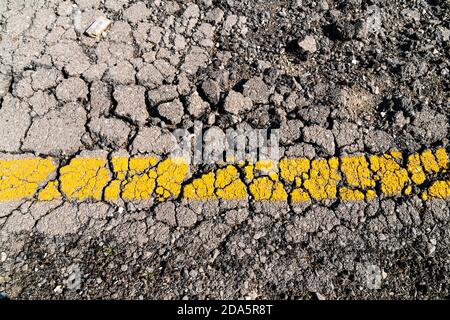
(349,178)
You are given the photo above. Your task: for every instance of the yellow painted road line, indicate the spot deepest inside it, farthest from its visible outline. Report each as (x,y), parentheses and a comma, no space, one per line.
(349,178)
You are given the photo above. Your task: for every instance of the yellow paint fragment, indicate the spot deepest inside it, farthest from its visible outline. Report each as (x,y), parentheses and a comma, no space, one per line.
(442,158)
(84,178)
(299,196)
(113,190)
(408,190)
(426,162)
(135,179)
(266,166)
(120,169)
(139,187)
(265,188)
(50,192)
(20,178)
(323,180)
(170,174)
(439,189)
(429,162)
(201,188)
(249,173)
(389,173)
(415,169)
(139,165)
(347,194)
(356,172)
(396,154)
(228,184)
(370,195)
(294,168)
(279,194)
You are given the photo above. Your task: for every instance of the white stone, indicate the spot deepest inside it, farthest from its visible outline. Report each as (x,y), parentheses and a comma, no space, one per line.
(308,44)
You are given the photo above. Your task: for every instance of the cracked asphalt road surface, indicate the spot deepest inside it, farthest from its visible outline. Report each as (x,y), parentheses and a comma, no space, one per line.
(92,205)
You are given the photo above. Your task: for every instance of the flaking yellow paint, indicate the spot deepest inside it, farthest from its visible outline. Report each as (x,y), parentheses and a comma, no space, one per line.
(324,176)
(146,178)
(20,178)
(84,178)
(392,177)
(50,192)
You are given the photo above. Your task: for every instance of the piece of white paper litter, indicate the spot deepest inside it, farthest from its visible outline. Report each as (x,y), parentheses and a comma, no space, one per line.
(98,26)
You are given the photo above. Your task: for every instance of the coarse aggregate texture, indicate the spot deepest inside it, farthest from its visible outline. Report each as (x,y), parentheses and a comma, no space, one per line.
(92,205)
